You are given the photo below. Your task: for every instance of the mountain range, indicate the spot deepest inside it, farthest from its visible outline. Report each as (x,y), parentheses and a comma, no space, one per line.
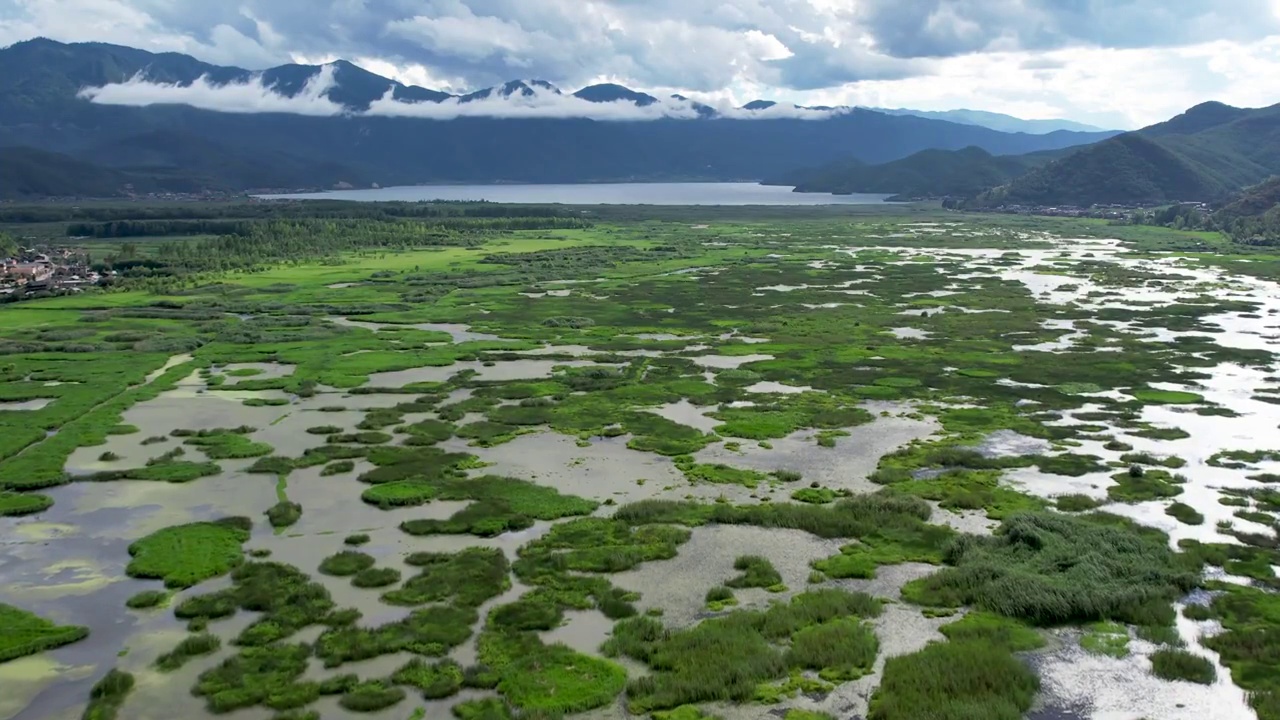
(115,116)
(995,121)
(1206,154)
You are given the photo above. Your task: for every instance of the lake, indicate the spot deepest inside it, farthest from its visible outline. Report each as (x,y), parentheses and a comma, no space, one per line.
(599,194)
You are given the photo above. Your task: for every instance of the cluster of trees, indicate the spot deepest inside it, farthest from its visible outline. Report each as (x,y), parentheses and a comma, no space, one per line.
(313,239)
(273,209)
(1251,217)
(158,228)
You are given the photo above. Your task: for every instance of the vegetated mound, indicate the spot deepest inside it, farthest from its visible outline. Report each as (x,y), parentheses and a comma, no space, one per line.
(1126,169)
(1047,568)
(928,173)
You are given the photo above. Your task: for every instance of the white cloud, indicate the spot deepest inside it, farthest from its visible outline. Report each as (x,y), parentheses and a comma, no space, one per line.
(1110,62)
(1120,88)
(247,97)
(255,97)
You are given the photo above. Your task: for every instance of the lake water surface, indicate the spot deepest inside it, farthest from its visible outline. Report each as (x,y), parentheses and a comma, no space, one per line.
(600,194)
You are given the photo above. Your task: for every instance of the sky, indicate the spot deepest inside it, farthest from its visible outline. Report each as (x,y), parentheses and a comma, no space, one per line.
(1112,63)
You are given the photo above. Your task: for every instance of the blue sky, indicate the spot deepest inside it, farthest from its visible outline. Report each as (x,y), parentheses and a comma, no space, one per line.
(1117,63)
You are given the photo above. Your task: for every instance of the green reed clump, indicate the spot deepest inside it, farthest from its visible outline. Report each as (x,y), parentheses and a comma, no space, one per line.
(482,709)
(191,646)
(376,577)
(356,539)
(431,632)
(346,563)
(720,597)
(466,578)
(271,465)
(1049,569)
(814,496)
(756,572)
(371,696)
(147,599)
(1181,665)
(1250,645)
(107,695)
(1076,503)
(500,505)
(1185,514)
(269,675)
(286,598)
(337,468)
(727,658)
(528,613)
(283,514)
(840,650)
(435,680)
(955,681)
(561,680)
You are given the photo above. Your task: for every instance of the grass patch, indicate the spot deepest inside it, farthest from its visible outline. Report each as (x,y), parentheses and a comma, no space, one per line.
(555,679)
(184,555)
(190,647)
(13,503)
(346,563)
(26,633)
(730,658)
(1139,485)
(107,695)
(147,599)
(284,514)
(1167,397)
(955,681)
(376,577)
(756,572)
(814,496)
(1050,569)
(1169,664)
(371,696)
(985,627)
(337,468)
(435,680)
(1106,638)
(1185,514)
(1076,503)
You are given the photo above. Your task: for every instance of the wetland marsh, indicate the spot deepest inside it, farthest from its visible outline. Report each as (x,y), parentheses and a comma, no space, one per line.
(712,465)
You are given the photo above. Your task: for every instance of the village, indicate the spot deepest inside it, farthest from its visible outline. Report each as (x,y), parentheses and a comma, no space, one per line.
(47,270)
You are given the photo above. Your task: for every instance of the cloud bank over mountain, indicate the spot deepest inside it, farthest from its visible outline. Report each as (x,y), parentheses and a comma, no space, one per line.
(531,100)
(1125,62)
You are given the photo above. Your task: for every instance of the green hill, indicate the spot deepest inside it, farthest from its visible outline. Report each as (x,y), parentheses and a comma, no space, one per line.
(1204,154)
(1253,216)
(928,173)
(1127,169)
(28,173)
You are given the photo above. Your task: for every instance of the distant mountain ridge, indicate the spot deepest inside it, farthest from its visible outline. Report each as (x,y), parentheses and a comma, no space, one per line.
(1204,154)
(41,107)
(928,173)
(996,121)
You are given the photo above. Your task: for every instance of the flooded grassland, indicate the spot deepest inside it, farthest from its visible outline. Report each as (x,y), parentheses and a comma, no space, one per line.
(802,470)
